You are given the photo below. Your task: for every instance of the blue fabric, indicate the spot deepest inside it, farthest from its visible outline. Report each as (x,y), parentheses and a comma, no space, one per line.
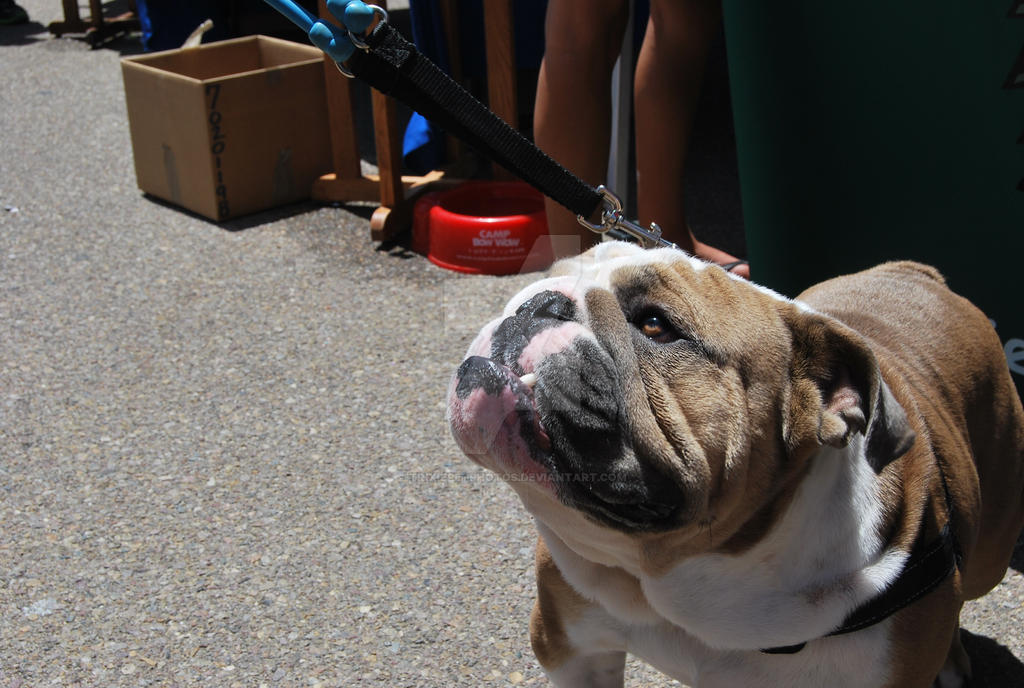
(423,147)
(166,23)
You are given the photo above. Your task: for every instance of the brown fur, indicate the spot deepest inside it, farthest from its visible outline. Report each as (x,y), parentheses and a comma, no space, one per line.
(963,405)
(557,604)
(777,383)
(713,416)
(960,399)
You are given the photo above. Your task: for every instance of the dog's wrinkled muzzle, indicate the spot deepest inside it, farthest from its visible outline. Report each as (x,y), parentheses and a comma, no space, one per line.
(549,401)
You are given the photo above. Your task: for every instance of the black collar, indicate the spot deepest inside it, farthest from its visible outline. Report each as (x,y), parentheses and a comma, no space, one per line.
(928,565)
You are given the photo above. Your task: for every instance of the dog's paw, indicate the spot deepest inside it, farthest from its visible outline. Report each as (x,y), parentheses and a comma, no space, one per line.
(956,672)
(951,678)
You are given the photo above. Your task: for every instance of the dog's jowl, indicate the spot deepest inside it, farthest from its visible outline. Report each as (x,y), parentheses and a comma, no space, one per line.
(747,490)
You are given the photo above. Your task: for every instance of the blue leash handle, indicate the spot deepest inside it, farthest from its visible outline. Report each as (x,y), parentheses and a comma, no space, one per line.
(295,13)
(355,16)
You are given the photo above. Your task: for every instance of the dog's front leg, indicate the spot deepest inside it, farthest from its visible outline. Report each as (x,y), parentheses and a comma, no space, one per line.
(956,672)
(574,639)
(566,664)
(590,671)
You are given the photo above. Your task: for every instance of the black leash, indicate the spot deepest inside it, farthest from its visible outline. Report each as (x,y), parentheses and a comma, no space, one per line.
(385,60)
(394,66)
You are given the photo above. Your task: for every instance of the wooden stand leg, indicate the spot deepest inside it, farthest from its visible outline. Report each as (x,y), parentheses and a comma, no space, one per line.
(97,30)
(450,22)
(347,182)
(384,223)
(72,20)
(96,13)
(501,67)
(396,193)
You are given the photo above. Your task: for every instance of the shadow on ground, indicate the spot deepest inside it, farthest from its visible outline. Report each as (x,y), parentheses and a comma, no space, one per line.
(23,34)
(994,666)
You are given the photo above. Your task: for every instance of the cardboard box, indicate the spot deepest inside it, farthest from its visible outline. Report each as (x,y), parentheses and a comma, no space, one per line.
(228,128)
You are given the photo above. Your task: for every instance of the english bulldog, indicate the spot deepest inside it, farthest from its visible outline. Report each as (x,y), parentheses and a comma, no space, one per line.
(744,489)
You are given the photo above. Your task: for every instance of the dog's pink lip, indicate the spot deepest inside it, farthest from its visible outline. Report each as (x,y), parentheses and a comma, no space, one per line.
(543,440)
(524,389)
(495,420)
(532,466)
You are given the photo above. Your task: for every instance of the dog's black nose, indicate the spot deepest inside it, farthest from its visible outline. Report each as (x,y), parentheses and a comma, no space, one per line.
(548,304)
(477,372)
(536,314)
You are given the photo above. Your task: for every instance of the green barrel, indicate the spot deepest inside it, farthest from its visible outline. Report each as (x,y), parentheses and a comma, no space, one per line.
(876,130)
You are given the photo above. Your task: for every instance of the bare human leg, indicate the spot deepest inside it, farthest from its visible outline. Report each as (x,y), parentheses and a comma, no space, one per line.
(669,73)
(572,114)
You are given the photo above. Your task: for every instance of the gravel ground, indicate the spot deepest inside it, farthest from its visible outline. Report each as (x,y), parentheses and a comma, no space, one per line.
(224,455)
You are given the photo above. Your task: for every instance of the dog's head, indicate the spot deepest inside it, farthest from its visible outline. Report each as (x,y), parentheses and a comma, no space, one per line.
(654,393)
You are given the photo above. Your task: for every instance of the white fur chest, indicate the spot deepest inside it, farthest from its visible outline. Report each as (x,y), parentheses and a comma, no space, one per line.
(820,561)
(838,662)
(706,620)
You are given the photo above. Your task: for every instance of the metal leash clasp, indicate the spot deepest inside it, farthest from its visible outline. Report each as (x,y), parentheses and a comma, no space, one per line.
(382,18)
(612,218)
(358,42)
(338,42)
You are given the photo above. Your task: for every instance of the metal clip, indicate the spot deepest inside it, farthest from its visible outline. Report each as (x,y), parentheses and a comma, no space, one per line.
(359,42)
(344,70)
(612,218)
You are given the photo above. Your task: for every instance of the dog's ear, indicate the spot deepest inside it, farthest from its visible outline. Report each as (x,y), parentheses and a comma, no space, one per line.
(836,391)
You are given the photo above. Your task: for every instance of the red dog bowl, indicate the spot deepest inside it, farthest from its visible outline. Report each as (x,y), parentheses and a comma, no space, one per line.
(483,227)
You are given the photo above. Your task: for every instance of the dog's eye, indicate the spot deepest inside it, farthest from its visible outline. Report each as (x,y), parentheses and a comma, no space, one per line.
(657,329)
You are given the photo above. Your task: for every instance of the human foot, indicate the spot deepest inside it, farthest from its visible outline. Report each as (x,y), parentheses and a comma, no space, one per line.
(689,243)
(727,261)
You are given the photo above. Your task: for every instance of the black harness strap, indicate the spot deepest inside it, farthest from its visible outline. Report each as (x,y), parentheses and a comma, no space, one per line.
(926,568)
(929,564)
(394,66)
